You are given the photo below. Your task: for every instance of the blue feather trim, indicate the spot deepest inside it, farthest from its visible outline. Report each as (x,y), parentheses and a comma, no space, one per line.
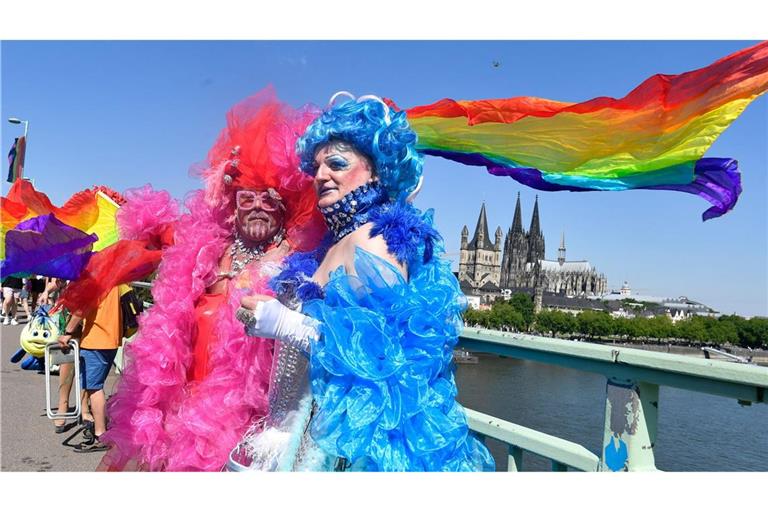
(294,283)
(409,234)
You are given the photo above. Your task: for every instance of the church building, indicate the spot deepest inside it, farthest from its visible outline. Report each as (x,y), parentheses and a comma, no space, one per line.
(488,270)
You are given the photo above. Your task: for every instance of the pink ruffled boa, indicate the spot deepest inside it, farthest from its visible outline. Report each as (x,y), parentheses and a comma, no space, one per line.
(158,421)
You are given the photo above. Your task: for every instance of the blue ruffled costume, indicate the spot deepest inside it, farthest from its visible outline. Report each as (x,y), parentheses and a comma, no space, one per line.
(381,373)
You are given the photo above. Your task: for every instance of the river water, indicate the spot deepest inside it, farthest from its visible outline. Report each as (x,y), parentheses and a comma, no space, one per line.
(696,431)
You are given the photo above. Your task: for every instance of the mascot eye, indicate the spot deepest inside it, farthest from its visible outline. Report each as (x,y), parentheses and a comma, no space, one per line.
(35,334)
(46,334)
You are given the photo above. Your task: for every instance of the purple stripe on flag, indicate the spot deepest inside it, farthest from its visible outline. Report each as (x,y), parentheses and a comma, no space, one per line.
(44,245)
(716,180)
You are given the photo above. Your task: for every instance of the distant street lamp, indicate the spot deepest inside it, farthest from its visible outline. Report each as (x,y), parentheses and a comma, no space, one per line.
(16,120)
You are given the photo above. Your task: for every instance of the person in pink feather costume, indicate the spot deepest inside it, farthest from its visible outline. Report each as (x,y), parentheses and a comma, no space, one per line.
(193,381)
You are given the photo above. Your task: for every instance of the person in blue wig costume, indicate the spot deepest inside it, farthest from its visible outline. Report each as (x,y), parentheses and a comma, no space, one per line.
(380,313)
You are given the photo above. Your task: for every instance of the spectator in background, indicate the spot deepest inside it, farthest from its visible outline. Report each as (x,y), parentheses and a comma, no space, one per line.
(66,370)
(102,335)
(66,374)
(53,288)
(12,287)
(37,287)
(24,297)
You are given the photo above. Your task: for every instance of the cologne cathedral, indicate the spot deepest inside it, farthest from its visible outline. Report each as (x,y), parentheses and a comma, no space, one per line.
(486,268)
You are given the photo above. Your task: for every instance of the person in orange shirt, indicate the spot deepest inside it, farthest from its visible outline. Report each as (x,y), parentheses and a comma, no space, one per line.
(102,335)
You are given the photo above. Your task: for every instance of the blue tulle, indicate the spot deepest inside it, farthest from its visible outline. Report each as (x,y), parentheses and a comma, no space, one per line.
(382,372)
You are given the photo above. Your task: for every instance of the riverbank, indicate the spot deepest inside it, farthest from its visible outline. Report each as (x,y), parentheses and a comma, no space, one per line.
(758,356)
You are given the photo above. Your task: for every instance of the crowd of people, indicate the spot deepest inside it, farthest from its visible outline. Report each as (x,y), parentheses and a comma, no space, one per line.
(29,293)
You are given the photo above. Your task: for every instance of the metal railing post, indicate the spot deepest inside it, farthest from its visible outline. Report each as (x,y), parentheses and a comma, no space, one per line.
(631,413)
(515,458)
(557,466)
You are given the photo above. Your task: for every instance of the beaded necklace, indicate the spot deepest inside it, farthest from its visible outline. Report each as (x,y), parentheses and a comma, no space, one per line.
(243,254)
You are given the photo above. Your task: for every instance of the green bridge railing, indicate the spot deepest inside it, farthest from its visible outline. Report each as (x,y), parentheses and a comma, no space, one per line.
(633,378)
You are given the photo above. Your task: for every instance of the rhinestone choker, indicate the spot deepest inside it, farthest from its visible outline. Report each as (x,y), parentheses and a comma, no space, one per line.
(353,210)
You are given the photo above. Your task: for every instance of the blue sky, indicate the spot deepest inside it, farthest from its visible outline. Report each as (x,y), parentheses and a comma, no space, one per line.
(128,113)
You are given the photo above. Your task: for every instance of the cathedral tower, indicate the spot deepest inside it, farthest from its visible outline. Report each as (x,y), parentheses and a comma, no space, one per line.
(480,259)
(535,237)
(515,251)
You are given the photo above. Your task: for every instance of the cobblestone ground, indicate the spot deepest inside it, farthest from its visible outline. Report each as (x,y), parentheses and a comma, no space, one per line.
(27,438)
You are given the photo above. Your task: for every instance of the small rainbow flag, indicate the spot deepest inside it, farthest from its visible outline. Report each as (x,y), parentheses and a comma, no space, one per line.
(653,138)
(16,159)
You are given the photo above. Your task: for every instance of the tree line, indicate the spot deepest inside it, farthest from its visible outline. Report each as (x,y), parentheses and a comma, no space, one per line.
(517,314)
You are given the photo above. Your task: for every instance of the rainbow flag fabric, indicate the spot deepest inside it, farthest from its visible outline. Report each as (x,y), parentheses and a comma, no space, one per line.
(37,237)
(653,138)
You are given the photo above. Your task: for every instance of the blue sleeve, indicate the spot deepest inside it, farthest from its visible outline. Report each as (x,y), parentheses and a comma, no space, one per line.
(382,371)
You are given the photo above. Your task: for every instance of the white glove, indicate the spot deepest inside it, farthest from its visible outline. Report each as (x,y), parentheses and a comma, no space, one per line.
(272,320)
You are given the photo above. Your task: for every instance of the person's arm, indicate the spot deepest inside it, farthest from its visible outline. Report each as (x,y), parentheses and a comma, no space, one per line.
(43,298)
(266,317)
(64,338)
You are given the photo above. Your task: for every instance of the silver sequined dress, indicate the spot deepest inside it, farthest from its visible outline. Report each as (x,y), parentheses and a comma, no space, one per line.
(281,441)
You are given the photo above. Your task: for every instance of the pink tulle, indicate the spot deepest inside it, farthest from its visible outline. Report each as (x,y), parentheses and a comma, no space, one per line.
(145,222)
(160,421)
(145,212)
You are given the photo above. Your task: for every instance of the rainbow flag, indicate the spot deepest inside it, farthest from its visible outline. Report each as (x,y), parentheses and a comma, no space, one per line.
(38,237)
(653,138)
(24,202)
(105,226)
(16,159)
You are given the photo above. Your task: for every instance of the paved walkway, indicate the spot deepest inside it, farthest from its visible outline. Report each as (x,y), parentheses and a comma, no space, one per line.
(27,439)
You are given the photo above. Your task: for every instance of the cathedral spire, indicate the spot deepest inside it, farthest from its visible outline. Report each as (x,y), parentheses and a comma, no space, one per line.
(517,223)
(535,237)
(535,227)
(482,239)
(561,250)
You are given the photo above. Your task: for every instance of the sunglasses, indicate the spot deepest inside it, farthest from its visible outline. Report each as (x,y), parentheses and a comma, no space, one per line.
(269,200)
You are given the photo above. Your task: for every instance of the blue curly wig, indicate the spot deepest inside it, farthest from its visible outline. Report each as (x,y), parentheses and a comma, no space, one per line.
(391,147)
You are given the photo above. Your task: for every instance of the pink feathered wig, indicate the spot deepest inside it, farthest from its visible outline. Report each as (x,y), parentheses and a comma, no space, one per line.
(158,419)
